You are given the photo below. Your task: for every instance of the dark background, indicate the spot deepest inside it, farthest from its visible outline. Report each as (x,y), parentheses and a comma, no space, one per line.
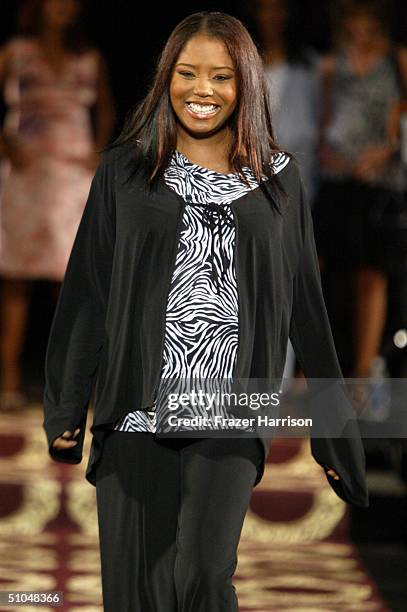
(131,34)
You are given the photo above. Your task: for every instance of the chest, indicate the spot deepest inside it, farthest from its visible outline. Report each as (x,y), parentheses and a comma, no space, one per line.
(38,79)
(155,222)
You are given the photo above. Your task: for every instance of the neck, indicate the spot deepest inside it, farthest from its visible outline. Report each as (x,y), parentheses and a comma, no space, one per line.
(52,39)
(210,151)
(379,45)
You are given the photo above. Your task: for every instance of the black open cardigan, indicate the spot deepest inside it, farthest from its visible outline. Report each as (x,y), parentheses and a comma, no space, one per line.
(107,334)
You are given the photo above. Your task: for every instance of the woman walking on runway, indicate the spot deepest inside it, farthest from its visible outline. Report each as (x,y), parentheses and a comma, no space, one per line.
(191,261)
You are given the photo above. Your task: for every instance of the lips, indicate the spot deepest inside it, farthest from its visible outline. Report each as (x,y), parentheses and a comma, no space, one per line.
(202,111)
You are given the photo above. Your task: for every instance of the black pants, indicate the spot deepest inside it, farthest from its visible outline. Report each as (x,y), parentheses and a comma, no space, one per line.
(170,517)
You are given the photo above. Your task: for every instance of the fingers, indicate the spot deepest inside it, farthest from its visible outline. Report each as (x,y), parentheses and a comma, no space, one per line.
(332,473)
(63,441)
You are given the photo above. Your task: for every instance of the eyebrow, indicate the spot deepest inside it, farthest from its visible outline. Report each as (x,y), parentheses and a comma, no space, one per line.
(214,68)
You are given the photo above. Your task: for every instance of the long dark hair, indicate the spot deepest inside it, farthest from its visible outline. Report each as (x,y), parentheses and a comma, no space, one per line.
(152,125)
(29,21)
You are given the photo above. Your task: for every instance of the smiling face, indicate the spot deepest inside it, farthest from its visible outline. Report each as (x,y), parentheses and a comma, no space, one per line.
(203,88)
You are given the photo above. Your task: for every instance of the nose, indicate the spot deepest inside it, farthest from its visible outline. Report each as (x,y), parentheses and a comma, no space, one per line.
(203,87)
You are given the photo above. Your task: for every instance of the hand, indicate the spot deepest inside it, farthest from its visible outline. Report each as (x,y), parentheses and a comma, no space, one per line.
(332,473)
(372,162)
(62,442)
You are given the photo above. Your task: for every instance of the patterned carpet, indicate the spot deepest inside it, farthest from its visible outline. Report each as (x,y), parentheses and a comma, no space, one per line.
(294,553)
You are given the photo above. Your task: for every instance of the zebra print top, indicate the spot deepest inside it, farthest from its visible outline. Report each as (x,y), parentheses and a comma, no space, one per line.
(201,332)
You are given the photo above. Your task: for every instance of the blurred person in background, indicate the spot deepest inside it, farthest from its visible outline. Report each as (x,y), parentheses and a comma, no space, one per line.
(59,112)
(293,77)
(362,85)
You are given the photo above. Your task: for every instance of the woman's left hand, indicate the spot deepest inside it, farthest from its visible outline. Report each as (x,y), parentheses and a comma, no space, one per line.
(332,473)
(372,162)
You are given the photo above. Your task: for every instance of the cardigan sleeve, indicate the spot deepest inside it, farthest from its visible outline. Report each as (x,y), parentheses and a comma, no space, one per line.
(313,343)
(77,331)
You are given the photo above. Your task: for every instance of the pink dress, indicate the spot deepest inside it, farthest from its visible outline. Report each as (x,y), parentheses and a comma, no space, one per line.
(41,205)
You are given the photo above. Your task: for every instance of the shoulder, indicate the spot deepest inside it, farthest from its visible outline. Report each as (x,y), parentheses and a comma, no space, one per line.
(91,58)
(290,179)
(327,61)
(401,52)
(279,161)
(18,46)
(118,161)
(118,153)
(314,57)
(327,64)
(90,51)
(286,166)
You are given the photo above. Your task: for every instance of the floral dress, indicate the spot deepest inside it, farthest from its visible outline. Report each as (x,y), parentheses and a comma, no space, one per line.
(41,205)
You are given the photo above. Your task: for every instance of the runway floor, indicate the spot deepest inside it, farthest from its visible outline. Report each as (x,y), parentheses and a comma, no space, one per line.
(295,553)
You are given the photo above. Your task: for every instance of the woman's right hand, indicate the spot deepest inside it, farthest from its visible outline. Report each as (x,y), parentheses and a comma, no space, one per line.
(62,442)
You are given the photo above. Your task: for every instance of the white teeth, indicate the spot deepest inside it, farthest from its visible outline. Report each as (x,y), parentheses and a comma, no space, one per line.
(202,109)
